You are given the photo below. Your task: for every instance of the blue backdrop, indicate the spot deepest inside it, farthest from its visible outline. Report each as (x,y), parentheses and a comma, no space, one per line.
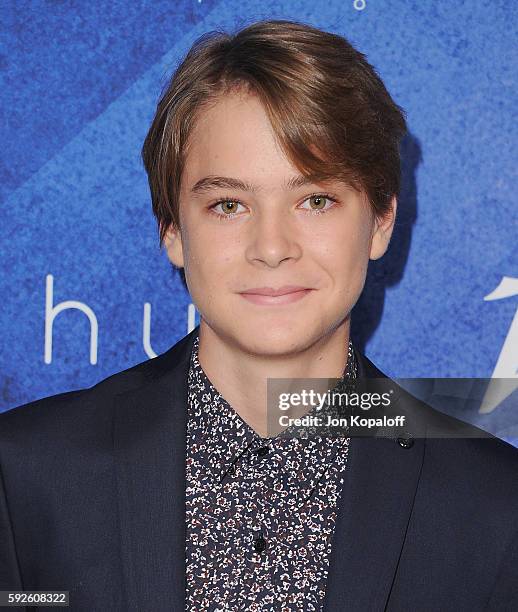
(86,292)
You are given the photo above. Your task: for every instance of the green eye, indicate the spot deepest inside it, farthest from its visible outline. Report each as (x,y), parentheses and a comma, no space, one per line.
(229,209)
(317,202)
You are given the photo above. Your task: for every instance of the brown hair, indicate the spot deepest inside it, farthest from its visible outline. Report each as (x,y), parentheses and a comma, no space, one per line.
(329,109)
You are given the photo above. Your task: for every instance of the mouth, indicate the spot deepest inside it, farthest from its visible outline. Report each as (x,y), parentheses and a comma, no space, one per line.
(267,296)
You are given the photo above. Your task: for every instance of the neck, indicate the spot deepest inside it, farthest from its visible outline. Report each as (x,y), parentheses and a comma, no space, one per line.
(240,376)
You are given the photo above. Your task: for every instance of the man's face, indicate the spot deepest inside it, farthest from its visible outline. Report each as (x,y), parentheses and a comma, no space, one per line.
(274,238)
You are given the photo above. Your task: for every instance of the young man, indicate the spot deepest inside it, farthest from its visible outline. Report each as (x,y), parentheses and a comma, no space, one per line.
(274,168)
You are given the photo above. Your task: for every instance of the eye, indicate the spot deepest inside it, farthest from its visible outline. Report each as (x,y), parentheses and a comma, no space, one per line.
(318,203)
(228,205)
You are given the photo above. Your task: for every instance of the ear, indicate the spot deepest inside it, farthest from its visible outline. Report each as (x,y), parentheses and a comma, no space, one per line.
(383,231)
(174,248)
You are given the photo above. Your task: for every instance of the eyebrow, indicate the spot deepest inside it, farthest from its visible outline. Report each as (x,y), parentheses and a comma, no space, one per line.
(225,182)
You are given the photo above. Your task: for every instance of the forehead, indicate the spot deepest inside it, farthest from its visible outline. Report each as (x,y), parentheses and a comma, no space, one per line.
(234,135)
(228,110)
(233,138)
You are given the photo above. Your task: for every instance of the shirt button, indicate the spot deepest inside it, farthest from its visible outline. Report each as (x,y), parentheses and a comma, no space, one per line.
(259,544)
(407,442)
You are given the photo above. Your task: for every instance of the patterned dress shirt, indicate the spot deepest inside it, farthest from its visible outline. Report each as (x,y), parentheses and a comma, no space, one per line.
(260,512)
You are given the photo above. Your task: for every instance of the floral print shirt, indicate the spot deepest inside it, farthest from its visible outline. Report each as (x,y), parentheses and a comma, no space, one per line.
(260,512)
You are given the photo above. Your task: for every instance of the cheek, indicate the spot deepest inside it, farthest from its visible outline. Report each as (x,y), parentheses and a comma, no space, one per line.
(208,258)
(343,260)
(344,250)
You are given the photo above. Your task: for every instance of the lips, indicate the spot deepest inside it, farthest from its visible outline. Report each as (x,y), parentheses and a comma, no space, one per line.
(284,290)
(268,296)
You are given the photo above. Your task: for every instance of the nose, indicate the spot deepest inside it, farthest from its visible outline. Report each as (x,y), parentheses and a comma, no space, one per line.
(273,239)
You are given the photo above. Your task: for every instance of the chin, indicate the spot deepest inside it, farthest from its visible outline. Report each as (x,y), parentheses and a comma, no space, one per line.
(275,339)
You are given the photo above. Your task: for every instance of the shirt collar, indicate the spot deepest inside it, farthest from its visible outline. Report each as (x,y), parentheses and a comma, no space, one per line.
(217,427)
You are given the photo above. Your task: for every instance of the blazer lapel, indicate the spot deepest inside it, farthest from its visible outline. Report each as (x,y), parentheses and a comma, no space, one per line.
(379,487)
(149,433)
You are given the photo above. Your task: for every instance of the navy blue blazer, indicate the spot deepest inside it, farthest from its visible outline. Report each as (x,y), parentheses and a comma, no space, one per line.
(92,501)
